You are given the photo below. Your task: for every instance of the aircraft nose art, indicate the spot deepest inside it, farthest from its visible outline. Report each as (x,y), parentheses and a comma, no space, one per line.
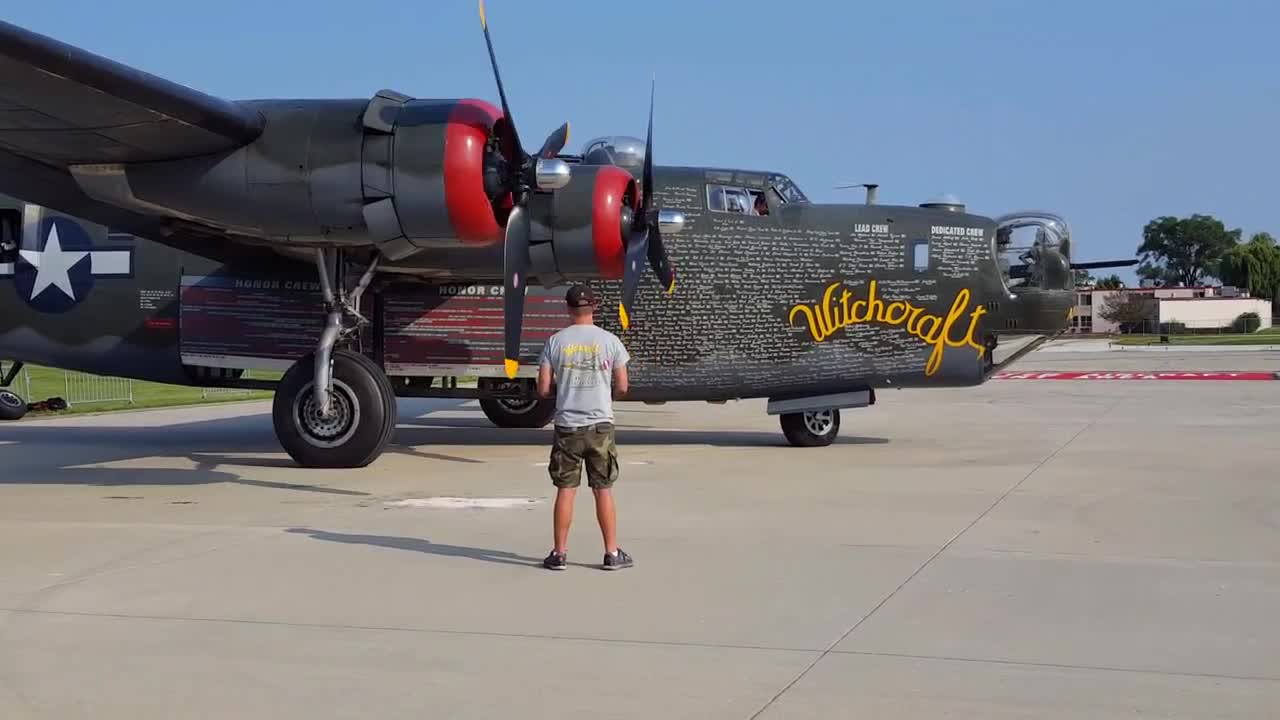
(56,266)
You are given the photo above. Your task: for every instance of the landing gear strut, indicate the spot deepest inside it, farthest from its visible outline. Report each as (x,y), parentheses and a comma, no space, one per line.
(335,408)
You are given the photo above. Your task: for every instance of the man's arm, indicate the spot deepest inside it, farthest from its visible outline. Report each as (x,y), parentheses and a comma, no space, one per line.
(545,376)
(544,381)
(620,383)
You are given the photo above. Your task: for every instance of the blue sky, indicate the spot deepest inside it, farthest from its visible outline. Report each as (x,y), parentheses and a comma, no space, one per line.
(1110,113)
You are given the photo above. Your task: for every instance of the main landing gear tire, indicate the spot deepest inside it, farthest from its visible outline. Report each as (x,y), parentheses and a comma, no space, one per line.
(362,413)
(12,406)
(811,429)
(512,413)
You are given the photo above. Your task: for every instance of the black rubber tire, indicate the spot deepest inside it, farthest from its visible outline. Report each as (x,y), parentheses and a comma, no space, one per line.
(537,416)
(798,433)
(358,383)
(12,406)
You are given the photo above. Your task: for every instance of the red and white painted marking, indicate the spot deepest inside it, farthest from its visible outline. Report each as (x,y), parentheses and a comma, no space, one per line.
(1164,375)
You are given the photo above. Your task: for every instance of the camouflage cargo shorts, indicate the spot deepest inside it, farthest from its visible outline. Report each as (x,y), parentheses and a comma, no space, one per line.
(593,445)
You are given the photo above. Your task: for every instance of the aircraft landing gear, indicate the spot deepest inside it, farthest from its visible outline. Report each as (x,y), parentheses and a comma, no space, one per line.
(12,406)
(516,412)
(811,429)
(513,413)
(335,408)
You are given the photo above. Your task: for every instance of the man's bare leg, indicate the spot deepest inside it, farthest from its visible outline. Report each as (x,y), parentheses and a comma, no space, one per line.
(563,516)
(607,517)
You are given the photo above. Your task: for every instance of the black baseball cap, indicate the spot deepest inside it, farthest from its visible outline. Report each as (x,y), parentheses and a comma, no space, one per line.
(581,296)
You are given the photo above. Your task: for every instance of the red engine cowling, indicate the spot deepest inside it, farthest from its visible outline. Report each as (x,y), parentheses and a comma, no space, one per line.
(430,172)
(588,222)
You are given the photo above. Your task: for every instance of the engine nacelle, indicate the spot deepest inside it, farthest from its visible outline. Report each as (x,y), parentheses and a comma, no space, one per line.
(580,231)
(431,170)
(393,171)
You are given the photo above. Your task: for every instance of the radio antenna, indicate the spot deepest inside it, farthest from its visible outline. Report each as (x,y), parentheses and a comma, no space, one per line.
(871,190)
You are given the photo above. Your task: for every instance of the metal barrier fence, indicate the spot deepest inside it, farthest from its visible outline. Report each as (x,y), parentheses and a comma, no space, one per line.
(85,389)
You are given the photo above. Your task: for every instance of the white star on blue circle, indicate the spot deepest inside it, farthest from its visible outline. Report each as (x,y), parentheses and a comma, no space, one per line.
(56,275)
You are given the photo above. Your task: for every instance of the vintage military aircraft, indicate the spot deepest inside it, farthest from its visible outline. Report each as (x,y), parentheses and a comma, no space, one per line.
(382,247)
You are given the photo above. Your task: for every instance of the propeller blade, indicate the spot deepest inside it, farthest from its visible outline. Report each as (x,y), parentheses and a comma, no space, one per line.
(657,251)
(1103,264)
(637,247)
(555,142)
(515,265)
(659,261)
(647,186)
(513,137)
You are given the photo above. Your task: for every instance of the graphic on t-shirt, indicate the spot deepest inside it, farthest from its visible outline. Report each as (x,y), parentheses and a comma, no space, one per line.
(586,360)
(583,358)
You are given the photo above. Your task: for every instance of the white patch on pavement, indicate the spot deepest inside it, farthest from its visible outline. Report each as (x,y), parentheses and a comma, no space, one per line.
(454,503)
(545,463)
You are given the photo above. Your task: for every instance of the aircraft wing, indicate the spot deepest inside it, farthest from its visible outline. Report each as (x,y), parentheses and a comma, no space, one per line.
(62,105)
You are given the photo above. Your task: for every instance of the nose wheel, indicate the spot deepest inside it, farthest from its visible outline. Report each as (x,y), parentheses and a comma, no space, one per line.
(811,429)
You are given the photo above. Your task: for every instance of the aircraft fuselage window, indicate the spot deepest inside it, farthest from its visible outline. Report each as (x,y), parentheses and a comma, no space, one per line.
(10,235)
(738,200)
(920,255)
(715,198)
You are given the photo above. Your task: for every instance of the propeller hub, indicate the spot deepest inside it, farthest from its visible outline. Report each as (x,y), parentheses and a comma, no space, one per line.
(626,219)
(551,174)
(670,222)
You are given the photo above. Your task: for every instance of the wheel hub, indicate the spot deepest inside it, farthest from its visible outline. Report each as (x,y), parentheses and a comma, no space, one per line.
(820,422)
(335,427)
(517,406)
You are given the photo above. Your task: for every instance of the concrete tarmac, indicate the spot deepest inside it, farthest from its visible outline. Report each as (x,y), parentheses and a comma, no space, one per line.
(1025,549)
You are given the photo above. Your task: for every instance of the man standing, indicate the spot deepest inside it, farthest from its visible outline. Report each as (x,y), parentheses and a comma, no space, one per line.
(588,367)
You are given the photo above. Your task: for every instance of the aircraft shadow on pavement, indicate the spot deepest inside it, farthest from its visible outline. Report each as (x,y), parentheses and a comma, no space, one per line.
(479,431)
(421,546)
(58,454)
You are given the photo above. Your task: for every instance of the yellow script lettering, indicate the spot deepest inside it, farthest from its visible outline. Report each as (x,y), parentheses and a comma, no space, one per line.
(824,318)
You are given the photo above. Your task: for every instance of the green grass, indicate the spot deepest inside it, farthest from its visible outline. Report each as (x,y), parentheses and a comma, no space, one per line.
(49,383)
(1269,336)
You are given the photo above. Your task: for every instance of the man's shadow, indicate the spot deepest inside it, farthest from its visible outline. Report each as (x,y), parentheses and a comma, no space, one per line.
(422,546)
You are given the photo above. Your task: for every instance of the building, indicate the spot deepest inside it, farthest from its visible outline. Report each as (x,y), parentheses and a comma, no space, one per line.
(1194,308)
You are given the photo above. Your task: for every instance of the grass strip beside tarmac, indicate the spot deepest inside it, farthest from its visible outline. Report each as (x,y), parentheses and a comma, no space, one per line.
(1270,336)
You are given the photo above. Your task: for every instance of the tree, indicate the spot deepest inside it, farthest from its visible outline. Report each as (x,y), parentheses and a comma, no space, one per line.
(1110,282)
(1083,278)
(1183,251)
(1132,311)
(1255,266)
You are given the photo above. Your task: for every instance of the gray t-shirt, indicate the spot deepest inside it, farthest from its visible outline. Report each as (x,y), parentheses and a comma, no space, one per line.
(582,359)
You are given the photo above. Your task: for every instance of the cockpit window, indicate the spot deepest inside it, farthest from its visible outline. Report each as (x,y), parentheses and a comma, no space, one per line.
(737,200)
(787,190)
